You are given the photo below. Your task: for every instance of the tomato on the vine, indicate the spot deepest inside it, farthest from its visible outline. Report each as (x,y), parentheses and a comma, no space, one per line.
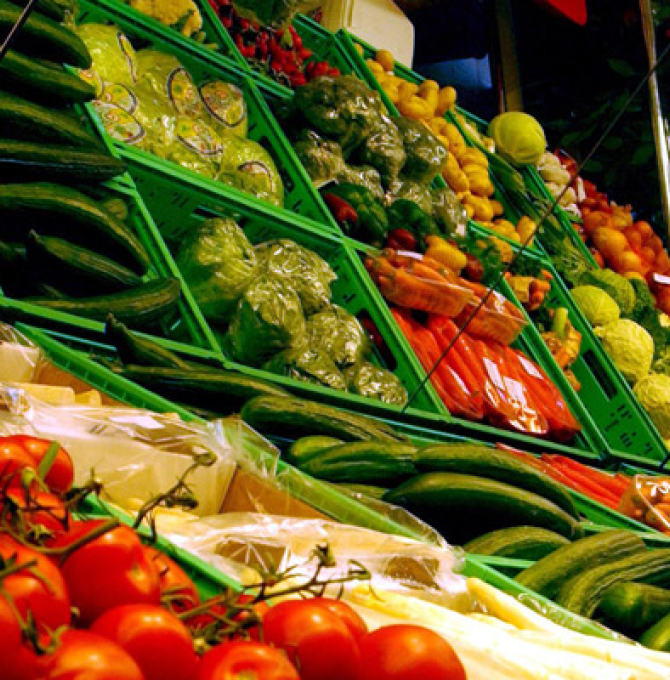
(176,587)
(217,610)
(156,639)
(23,665)
(86,656)
(60,476)
(352,619)
(38,512)
(317,641)
(407,652)
(10,632)
(241,659)
(13,459)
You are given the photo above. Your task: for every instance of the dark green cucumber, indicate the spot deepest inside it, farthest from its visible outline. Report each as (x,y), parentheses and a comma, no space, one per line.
(62,211)
(306,447)
(549,574)
(519,543)
(14,276)
(42,82)
(631,607)
(582,593)
(482,461)
(142,306)
(376,492)
(44,38)
(116,206)
(218,390)
(28,121)
(138,350)
(75,270)
(370,462)
(298,417)
(22,161)
(658,636)
(48,8)
(463,507)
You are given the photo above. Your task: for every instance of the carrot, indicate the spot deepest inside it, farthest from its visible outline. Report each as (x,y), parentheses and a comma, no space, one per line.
(586,482)
(609,482)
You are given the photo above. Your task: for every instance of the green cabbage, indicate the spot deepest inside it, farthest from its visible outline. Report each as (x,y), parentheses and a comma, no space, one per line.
(340,335)
(653,392)
(518,137)
(309,365)
(375,382)
(426,154)
(630,347)
(616,286)
(597,306)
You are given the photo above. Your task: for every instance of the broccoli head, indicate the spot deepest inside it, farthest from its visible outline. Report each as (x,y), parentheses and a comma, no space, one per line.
(383,149)
(321,158)
(426,155)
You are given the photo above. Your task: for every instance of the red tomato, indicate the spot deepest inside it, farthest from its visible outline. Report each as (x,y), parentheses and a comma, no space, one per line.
(176,587)
(86,656)
(22,666)
(61,474)
(353,621)
(317,641)
(406,652)
(198,623)
(157,640)
(40,590)
(38,512)
(10,633)
(109,571)
(13,459)
(242,659)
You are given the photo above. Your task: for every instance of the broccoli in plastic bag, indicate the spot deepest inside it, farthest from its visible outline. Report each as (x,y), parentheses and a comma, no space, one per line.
(340,335)
(411,190)
(363,176)
(309,364)
(448,211)
(226,108)
(246,165)
(383,149)
(269,319)
(308,274)
(321,158)
(374,382)
(426,155)
(218,263)
(114,59)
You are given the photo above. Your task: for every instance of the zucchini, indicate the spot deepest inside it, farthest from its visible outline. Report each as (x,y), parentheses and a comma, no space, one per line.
(464,506)
(658,636)
(22,161)
(297,417)
(142,306)
(62,211)
(138,350)
(306,447)
(217,390)
(48,8)
(370,462)
(75,270)
(376,492)
(42,82)
(547,576)
(582,593)
(482,461)
(519,543)
(28,121)
(44,38)
(631,607)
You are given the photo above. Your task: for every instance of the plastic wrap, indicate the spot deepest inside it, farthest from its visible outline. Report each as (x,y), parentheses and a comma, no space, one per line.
(226,108)
(363,176)
(321,158)
(114,59)
(19,358)
(218,263)
(375,382)
(309,364)
(647,500)
(426,155)
(383,149)
(274,12)
(410,189)
(340,335)
(448,211)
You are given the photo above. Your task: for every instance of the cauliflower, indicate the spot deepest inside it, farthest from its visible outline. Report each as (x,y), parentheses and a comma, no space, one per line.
(596,305)
(182,15)
(653,392)
(616,286)
(630,347)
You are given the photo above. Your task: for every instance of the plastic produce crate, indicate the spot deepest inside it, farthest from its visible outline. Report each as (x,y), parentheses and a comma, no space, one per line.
(300,196)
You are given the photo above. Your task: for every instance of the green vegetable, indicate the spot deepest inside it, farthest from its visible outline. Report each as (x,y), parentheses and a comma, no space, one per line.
(48,8)
(630,347)
(426,155)
(309,446)
(597,306)
(274,12)
(520,543)
(339,334)
(372,224)
(633,606)
(519,138)
(226,108)
(616,286)
(658,636)
(218,263)
(653,392)
(308,364)
(364,176)
(448,211)
(645,313)
(114,59)
(412,190)
(404,214)
(322,158)
(383,149)
(375,382)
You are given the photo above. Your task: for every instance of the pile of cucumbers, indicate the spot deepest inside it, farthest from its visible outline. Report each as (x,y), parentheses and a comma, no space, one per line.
(61,246)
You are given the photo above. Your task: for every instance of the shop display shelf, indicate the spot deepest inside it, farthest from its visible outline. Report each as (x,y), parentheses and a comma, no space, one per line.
(300,196)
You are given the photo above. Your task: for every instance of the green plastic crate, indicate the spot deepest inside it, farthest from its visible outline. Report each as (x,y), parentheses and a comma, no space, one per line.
(300,196)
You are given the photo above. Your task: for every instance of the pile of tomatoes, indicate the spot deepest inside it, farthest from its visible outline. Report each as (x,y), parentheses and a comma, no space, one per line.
(85,599)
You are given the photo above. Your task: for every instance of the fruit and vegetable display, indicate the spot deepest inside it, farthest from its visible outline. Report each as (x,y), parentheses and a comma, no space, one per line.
(181,15)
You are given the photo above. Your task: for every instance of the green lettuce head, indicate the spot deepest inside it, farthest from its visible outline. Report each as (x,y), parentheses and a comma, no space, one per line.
(653,392)
(114,59)
(630,347)
(597,306)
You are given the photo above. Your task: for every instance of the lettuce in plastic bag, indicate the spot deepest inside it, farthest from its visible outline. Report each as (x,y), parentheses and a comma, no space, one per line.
(322,158)
(218,263)
(226,108)
(426,155)
(114,59)
(309,364)
(375,382)
(410,189)
(269,319)
(340,335)
(448,211)
(308,274)
(383,149)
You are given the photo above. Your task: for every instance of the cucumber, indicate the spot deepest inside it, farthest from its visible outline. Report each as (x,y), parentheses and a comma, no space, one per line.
(547,576)
(582,593)
(44,38)
(48,8)
(28,121)
(142,306)
(218,390)
(42,82)
(519,543)
(658,636)
(140,351)
(482,461)
(376,492)
(631,607)
(14,277)
(306,447)
(463,507)
(22,161)
(116,206)
(62,211)
(75,270)
(297,417)
(371,462)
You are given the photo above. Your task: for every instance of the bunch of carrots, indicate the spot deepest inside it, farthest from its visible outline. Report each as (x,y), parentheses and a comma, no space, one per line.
(487,380)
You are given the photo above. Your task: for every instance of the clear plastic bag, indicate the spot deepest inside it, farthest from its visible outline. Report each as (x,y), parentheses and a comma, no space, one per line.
(274,12)
(647,500)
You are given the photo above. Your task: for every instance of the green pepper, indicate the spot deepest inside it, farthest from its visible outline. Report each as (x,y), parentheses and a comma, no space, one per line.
(406,214)
(372,223)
